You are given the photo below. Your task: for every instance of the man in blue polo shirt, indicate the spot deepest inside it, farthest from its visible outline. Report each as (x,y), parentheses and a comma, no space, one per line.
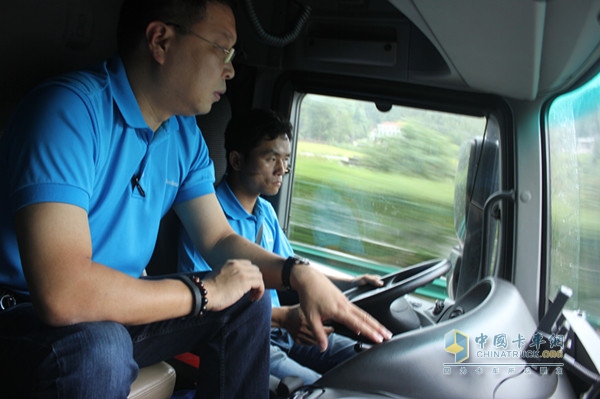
(258,146)
(89,164)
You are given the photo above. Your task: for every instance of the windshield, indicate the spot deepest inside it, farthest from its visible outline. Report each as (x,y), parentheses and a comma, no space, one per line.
(573,132)
(373,190)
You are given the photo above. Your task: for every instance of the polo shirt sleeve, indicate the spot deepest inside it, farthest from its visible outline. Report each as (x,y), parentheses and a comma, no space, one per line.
(54,153)
(201,176)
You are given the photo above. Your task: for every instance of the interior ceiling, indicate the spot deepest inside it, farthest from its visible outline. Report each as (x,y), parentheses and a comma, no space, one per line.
(522,49)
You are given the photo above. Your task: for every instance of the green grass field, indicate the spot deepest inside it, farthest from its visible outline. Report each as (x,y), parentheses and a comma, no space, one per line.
(321,166)
(387,218)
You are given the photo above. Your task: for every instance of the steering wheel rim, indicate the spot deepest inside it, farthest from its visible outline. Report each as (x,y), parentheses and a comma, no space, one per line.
(401,282)
(377,300)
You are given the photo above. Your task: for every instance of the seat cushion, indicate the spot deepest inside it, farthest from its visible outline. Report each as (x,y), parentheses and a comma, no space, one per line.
(154,382)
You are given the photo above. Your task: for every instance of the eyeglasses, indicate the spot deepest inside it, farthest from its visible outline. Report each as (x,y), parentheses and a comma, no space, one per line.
(229,53)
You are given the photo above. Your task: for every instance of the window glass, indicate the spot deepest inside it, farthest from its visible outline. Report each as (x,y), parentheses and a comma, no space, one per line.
(374,191)
(574,131)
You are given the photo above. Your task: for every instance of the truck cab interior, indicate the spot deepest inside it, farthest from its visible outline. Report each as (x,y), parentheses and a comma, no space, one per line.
(469,130)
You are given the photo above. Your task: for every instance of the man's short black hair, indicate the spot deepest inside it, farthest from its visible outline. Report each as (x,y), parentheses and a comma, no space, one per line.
(246,131)
(135,16)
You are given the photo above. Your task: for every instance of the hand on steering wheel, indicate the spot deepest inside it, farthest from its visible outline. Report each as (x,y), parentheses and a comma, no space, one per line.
(376,300)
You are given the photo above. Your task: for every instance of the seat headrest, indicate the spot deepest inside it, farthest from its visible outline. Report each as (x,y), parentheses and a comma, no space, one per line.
(213,127)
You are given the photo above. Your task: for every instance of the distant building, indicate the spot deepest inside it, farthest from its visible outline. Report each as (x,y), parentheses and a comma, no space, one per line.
(385,129)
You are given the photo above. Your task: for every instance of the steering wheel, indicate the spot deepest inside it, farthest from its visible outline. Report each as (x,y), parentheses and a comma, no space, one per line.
(377,300)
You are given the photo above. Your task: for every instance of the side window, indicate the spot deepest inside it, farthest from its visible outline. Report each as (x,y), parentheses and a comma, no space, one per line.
(574,148)
(374,191)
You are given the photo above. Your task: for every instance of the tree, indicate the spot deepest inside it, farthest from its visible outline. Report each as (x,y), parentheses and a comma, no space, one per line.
(416,151)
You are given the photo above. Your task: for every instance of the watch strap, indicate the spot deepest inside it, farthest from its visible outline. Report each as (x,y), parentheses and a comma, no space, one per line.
(286,271)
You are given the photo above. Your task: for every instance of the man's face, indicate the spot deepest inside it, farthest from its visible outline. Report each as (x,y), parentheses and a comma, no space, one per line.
(196,68)
(263,169)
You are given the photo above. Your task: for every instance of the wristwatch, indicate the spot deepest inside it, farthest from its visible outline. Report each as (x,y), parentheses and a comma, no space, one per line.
(286,271)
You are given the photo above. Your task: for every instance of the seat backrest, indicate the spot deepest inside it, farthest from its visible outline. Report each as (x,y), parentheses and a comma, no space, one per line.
(212,125)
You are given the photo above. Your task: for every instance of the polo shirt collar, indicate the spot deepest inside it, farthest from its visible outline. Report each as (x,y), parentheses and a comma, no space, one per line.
(232,206)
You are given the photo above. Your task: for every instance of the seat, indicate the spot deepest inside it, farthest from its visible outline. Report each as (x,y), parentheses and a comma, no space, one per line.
(154,382)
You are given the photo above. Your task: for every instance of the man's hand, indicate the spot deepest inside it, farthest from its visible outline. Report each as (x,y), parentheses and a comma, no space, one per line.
(231,282)
(346,283)
(368,279)
(320,300)
(293,320)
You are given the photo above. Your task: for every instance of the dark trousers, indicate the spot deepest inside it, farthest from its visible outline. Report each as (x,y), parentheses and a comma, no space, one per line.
(101,359)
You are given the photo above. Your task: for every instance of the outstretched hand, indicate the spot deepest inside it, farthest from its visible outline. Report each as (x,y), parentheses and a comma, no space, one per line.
(320,300)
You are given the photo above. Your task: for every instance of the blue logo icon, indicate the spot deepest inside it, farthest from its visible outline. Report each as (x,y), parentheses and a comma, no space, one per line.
(457,343)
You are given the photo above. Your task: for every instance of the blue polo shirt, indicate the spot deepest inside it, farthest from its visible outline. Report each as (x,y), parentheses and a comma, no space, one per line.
(80,139)
(245,224)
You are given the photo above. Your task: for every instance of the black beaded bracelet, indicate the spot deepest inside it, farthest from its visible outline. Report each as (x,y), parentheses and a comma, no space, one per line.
(199,293)
(204,301)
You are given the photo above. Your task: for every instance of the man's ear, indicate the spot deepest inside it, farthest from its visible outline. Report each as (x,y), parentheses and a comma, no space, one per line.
(235,160)
(158,37)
